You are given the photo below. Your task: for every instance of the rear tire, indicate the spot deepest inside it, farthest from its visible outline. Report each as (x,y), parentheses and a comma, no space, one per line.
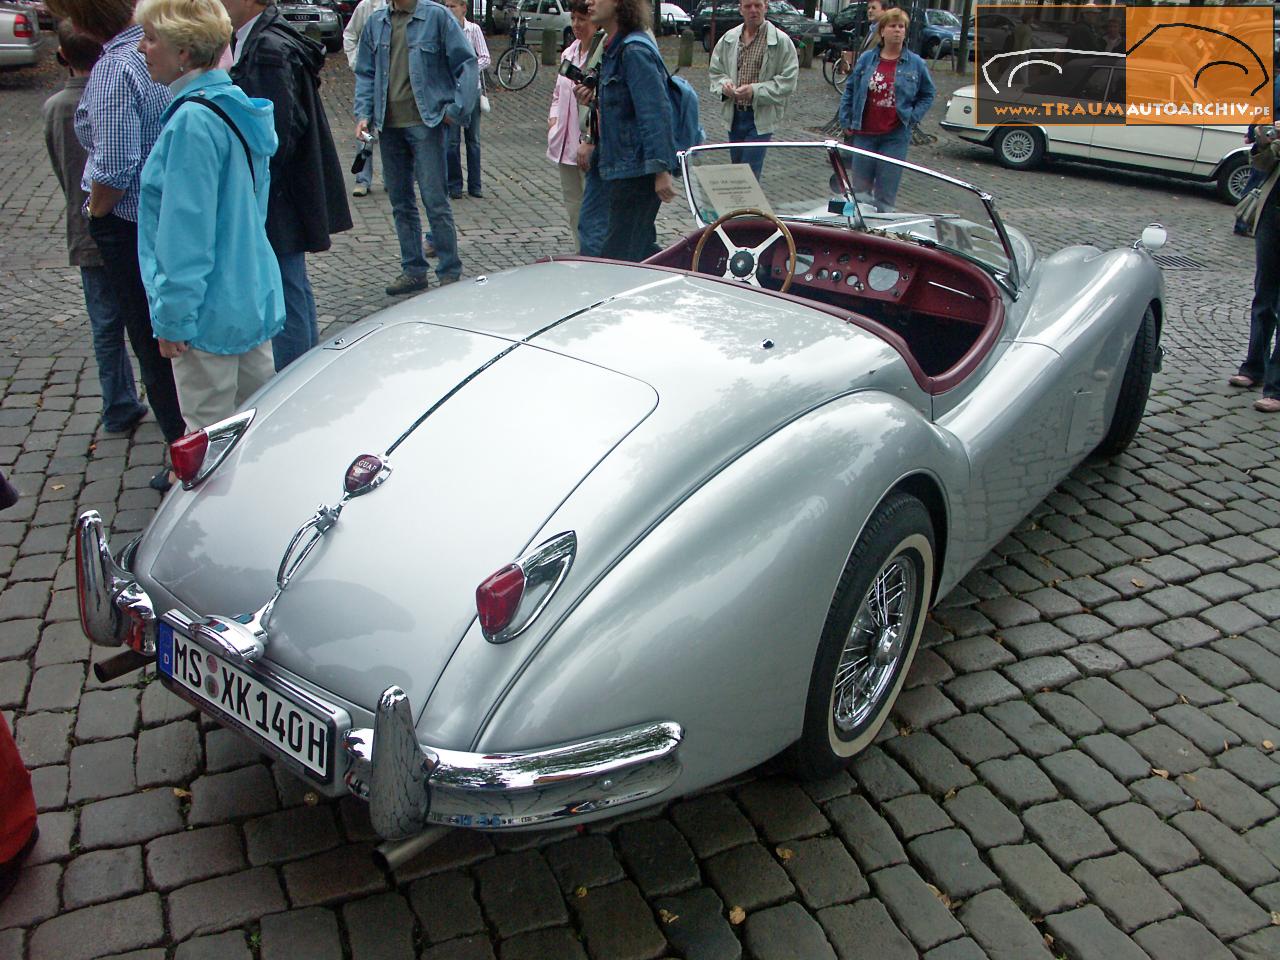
(517,68)
(1019,148)
(1134,388)
(870,637)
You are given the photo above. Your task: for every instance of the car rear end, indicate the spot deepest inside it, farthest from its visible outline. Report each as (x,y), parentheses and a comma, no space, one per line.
(962,118)
(19,37)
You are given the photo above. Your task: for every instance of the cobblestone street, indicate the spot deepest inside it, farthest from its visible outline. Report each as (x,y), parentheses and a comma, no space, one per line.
(1083,765)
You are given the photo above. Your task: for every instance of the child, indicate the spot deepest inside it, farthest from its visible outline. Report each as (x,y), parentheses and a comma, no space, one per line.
(121,409)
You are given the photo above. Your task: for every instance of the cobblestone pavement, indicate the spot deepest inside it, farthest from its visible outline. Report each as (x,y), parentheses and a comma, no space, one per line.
(1082,766)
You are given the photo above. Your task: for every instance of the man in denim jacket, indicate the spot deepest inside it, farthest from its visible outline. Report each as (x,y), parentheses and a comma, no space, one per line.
(416,74)
(637,151)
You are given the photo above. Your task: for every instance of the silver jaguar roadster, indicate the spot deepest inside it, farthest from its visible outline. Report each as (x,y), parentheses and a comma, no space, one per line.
(584,535)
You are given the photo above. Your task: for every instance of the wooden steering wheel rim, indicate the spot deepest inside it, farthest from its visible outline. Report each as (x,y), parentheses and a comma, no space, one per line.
(749,212)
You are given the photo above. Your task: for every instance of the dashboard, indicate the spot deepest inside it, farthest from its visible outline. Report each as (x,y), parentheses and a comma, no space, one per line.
(855,274)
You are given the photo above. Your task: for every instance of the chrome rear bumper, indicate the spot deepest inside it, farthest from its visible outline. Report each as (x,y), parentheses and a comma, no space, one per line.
(409,785)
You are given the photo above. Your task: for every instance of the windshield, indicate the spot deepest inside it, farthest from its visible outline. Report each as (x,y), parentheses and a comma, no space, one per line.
(941,18)
(823,183)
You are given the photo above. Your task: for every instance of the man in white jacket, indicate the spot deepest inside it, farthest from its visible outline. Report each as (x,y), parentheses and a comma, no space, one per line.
(350,43)
(753,70)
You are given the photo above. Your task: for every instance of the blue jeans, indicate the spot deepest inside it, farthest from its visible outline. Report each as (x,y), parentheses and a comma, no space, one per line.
(301,331)
(743,130)
(593,215)
(471,133)
(876,178)
(365,176)
(418,153)
(120,404)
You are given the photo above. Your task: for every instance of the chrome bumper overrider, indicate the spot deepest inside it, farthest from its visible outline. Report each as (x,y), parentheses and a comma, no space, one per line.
(411,786)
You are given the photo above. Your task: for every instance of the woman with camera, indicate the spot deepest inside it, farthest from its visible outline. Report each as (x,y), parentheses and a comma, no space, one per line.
(1261,364)
(637,150)
(565,121)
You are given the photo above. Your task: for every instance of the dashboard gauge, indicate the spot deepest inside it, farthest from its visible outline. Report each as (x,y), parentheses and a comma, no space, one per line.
(853,281)
(883,277)
(804,260)
(823,274)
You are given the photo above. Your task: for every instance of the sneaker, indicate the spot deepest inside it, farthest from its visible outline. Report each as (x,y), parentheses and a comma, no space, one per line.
(361,190)
(1241,380)
(162,481)
(1267,404)
(406,284)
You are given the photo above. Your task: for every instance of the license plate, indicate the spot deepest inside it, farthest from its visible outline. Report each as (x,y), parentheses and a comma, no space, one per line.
(247,702)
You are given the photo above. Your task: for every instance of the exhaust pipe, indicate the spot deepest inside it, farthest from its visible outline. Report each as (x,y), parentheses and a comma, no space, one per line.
(124,662)
(393,854)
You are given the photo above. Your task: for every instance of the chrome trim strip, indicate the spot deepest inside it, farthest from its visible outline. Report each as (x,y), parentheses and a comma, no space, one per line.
(958,293)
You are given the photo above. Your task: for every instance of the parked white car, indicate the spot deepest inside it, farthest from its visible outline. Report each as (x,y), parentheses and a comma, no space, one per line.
(19,37)
(543,15)
(1207,153)
(674,18)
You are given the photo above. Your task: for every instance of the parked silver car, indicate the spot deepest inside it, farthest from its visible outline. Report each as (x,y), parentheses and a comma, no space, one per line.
(594,534)
(19,36)
(315,18)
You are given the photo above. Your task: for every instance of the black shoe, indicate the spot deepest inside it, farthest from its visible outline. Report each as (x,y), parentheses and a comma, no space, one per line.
(445,281)
(129,424)
(406,284)
(10,869)
(160,482)
(455,194)
(478,194)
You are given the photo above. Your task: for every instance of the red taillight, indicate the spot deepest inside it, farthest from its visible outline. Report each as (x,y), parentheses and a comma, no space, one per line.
(498,597)
(22,28)
(187,455)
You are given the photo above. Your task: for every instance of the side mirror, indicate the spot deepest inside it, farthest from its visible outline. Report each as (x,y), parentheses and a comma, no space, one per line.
(1154,236)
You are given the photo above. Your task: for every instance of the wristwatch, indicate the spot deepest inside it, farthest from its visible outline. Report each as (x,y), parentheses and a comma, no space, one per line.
(588,139)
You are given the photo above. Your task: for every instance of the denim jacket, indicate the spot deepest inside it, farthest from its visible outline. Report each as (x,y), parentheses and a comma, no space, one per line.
(636,125)
(913,89)
(442,66)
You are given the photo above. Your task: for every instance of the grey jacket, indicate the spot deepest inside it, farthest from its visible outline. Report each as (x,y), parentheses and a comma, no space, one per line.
(68,159)
(778,76)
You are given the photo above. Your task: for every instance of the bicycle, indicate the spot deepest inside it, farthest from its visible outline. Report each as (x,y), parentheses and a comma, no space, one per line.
(835,67)
(519,64)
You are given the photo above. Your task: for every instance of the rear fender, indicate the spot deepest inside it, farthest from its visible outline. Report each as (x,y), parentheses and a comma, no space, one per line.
(713,618)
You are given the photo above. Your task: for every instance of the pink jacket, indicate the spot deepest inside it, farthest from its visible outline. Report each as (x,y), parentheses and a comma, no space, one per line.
(563,135)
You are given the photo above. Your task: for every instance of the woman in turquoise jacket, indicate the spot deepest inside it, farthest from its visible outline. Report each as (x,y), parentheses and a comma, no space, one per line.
(212,280)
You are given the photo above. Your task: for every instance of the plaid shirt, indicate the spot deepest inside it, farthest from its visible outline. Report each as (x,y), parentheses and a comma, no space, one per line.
(751,57)
(118,120)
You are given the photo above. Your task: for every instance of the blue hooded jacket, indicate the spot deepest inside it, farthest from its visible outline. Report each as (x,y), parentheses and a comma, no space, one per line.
(211,276)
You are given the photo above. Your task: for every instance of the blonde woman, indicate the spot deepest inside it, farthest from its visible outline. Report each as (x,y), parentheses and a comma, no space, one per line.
(211,278)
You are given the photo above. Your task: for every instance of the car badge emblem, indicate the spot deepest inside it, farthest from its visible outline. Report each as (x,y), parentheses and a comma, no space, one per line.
(366,472)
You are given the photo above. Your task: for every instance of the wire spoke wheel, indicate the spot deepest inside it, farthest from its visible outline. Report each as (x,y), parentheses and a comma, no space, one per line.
(875,645)
(517,68)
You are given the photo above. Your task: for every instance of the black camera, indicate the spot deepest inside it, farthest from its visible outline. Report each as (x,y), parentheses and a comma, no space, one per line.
(366,151)
(588,78)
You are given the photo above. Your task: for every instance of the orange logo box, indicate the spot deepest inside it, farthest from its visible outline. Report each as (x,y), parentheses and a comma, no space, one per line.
(1199,65)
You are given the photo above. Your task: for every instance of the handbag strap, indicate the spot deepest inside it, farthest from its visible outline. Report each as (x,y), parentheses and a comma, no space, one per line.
(205,101)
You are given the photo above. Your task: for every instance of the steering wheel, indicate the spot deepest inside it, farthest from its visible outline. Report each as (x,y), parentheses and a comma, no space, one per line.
(743,261)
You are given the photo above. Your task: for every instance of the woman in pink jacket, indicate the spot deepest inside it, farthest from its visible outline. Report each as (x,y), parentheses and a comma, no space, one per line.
(563,127)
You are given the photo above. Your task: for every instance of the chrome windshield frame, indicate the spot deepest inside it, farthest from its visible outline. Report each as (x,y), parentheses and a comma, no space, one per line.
(1009,279)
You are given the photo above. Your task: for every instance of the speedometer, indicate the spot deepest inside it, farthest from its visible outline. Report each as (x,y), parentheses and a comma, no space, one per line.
(883,277)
